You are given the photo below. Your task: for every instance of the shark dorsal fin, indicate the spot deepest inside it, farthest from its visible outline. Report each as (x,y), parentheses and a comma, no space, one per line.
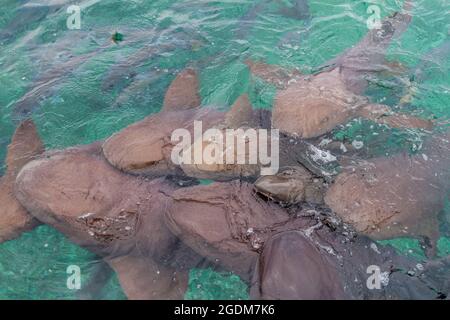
(183,92)
(25,145)
(240,114)
(14,218)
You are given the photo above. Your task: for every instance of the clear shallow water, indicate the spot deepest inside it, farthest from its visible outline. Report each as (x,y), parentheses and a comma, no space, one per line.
(216,37)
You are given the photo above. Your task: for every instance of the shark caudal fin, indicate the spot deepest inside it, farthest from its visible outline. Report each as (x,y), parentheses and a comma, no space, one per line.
(183,92)
(368,55)
(24,147)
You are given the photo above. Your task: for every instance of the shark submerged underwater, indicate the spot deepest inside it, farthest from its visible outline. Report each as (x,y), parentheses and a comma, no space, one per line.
(303,233)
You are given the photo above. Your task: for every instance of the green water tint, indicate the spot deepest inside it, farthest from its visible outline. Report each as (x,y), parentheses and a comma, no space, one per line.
(380,140)
(205,182)
(412,248)
(80,112)
(444,246)
(34,267)
(206,284)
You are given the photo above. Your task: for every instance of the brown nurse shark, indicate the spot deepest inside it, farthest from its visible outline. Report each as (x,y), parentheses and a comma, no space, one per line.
(146,147)
(383,198)
(115,215)
(312,105)
(300,252)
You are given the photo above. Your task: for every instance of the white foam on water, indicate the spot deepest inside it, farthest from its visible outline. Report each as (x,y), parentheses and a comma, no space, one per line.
(357,144)
(321,155)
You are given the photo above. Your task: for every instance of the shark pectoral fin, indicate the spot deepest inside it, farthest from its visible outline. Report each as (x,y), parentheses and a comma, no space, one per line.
(382,114)
(240,114)
(142,278)
(14,218)
(275,75)
(183,92)
(25,145)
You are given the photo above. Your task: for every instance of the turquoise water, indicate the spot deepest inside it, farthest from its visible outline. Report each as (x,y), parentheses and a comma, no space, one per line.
(212,36)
